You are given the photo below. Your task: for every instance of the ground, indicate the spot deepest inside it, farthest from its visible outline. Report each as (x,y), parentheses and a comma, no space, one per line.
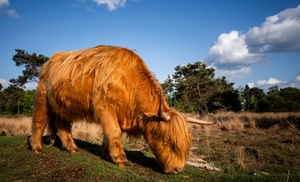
(246,148)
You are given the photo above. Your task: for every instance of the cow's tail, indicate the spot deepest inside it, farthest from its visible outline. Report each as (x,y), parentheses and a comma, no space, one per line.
(52,132)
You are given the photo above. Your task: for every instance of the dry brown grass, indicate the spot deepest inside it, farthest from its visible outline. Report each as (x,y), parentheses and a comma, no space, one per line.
(87,132)
(22,126)
(15,126)
(240,157)
(249,140)
(226,121)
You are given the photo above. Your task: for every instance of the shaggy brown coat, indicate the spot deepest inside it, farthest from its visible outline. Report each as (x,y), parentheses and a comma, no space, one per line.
(111,86)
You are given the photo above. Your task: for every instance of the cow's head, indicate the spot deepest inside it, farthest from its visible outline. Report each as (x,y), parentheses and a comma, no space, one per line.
(170,140)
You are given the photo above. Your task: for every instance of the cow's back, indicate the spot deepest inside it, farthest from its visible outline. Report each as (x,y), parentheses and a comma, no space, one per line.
(78,80)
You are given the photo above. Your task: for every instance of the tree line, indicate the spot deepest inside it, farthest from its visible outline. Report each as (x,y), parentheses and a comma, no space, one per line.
(192,88)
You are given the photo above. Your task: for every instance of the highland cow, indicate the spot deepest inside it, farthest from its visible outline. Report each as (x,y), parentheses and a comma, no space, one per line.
(113,87)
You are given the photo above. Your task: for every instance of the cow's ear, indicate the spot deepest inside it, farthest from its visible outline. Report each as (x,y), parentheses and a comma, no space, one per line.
(152,117)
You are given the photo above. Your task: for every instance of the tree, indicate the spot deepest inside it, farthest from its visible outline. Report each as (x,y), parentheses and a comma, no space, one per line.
(275,102)
(259,101)
(224,97)
(247,98)
(273,91)
(32,64)
(26,103)
(14,99)
(10,100)
(194,85)
(291,99)
(168,87)
(2,104)
(225,100)
(283,100)
(254,99)
(195,90)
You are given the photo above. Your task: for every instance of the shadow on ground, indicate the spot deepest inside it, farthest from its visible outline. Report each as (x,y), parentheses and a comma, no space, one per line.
(137,158)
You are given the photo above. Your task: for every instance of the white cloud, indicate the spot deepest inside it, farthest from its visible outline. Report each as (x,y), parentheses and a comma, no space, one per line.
(12,12)
(231,49)
(111,4)
(4,3)
(233,52)
(9,12)
(231,58)
(265,84)
(233,73)
(4,82)
(270,81)
(251,84)
(279,33)
(294,83)
(31,85)
(89,4)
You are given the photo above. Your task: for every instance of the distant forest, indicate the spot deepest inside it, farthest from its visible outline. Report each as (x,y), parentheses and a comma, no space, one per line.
(191,89)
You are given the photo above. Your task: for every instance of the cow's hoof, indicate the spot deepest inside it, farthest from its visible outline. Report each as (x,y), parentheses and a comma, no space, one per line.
(73,151)
(123,164)
(37,151)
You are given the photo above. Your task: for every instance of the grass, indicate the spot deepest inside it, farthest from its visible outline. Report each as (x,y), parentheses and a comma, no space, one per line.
(20,164)
(247,146)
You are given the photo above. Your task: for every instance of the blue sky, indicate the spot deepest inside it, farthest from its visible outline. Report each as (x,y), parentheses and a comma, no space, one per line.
(254,42)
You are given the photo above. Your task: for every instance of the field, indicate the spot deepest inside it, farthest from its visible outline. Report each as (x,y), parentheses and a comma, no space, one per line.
(246,146)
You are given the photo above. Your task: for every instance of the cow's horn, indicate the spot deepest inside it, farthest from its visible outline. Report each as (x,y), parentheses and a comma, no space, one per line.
(164,116)
(200,122)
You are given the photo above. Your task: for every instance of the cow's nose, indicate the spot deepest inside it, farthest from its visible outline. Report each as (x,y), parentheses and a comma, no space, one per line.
(174,170)
(178,169)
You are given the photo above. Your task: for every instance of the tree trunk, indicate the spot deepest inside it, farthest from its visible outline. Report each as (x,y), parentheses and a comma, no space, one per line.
(18,106)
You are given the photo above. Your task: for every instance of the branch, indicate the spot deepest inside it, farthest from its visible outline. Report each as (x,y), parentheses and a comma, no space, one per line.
(138,150)
(145,146)
(207,166)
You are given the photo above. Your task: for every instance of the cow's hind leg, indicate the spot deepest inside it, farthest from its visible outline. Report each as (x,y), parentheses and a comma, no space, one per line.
(64,129)
(39,119)
(39,124)
(112,142)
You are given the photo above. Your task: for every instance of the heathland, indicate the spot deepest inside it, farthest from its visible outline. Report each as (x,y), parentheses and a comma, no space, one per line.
(245,146)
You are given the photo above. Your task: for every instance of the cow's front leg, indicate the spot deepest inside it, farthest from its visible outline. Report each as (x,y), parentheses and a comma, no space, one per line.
(112,148)
(112,142)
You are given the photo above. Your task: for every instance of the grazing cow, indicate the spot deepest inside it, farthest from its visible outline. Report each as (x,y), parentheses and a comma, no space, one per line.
(113,87)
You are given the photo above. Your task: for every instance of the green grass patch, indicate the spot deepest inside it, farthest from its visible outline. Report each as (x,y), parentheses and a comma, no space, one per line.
(18,163)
